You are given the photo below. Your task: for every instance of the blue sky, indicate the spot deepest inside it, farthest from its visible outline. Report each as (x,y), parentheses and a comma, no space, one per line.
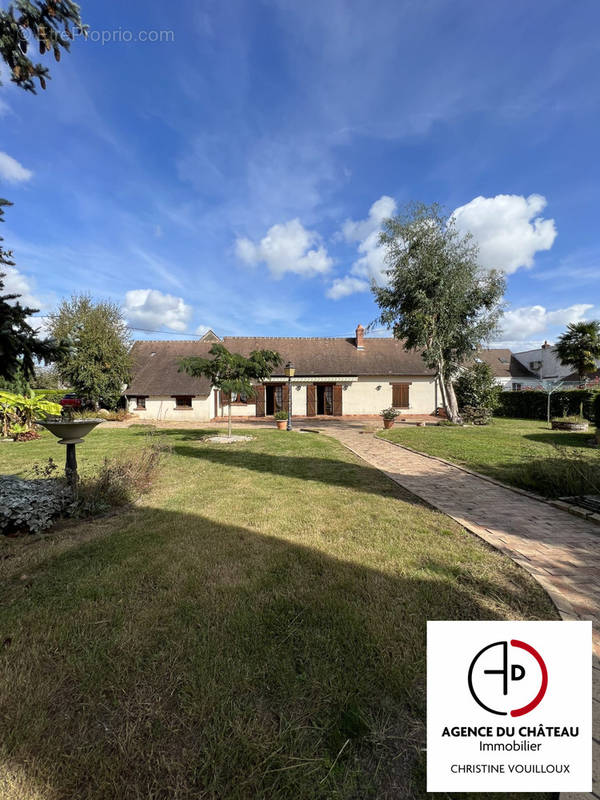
(235,174)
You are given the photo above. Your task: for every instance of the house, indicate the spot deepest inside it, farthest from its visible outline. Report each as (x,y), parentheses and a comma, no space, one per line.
(509,372)
(546,365)
(356,376)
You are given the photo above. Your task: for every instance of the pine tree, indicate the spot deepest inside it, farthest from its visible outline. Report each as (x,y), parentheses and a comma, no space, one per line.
(50,24)
(20,346)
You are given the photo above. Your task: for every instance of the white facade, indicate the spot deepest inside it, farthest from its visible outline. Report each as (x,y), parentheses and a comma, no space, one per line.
(361,396)
(164,408)
(544,362)
(370,395)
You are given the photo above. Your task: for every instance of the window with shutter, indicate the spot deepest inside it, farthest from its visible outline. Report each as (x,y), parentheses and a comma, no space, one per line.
(337,401)
(260,400)
(311,400)
(400,395)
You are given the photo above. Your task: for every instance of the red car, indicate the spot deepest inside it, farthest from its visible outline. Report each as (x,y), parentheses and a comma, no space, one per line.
(70,401)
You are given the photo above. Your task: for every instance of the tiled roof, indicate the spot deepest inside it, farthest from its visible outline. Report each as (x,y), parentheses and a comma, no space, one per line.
(335,356)
(155,369)
(156,363)
(504,364)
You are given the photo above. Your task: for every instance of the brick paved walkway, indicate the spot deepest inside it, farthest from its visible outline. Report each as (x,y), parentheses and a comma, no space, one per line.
(562,552)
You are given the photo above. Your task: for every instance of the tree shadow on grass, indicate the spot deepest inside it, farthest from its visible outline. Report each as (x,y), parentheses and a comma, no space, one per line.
(562,439)
(319,467)
(177,657)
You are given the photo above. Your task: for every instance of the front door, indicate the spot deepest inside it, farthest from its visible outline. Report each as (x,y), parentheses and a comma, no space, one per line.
(325,399)
(273,399)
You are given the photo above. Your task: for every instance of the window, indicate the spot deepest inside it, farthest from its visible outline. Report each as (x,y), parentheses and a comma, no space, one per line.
(140,403)
(516,387)
(239,398)
(400,395)
(183,401)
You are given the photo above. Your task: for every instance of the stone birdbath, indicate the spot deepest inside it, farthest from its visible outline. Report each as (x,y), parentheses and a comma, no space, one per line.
(71,432)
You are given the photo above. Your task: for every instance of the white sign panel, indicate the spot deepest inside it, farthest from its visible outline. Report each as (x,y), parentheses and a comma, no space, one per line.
(509,706)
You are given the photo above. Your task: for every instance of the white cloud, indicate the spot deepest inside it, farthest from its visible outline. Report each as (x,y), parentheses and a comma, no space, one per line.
(381,209)
(5,109)
(287,247)
(528,322)
(151,309)
(17,283)
(342,287)
(507,228)
(12,171)
(370,266)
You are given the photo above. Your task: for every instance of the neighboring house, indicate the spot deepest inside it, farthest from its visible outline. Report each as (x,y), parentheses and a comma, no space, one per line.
(508,371)
(357,376)
(546,365)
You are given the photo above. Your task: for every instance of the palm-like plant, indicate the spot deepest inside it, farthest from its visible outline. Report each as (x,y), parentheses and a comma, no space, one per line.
(579,346)
(25,408)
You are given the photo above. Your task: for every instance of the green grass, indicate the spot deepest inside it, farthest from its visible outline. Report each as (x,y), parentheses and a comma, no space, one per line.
(519,452)
(254,628)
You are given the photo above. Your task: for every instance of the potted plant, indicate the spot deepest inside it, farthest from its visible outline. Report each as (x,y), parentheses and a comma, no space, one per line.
(389,417)
(281,419)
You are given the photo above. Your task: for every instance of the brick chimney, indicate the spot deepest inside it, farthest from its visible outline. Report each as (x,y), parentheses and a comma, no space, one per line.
(360,337)
(546,346)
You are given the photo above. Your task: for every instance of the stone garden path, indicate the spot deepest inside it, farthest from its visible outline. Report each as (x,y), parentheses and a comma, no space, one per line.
(561,551)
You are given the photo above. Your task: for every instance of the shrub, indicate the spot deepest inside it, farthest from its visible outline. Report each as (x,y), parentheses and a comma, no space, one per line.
(477,415)
(30,506)
(476,387)
(22,433)
(532,404)
(389,413)
(596,410)
(280,415)
(119,482)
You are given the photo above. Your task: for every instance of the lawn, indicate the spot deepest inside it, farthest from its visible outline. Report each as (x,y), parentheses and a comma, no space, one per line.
(253,628)
(519,452)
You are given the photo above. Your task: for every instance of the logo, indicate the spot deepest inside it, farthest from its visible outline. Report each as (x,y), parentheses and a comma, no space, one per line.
(493,682)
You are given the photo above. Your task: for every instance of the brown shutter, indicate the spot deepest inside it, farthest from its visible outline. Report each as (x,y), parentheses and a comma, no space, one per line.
(337,400)
(285,393)
(260,400)
(311,400)
(225,397)
(400,395)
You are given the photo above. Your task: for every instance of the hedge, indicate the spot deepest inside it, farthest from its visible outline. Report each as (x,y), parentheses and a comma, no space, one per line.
(56,395)
(532,404)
